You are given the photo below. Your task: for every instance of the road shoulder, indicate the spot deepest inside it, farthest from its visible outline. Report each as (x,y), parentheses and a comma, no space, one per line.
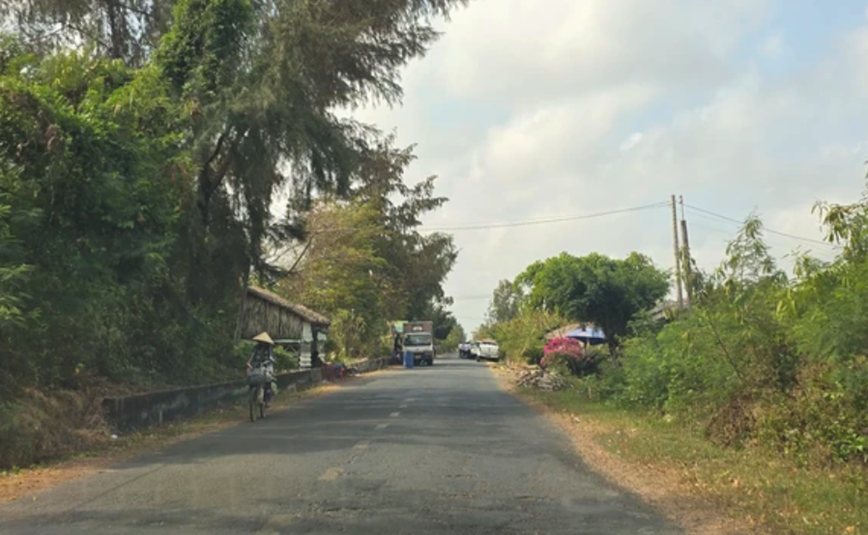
(662,487)
(19,483)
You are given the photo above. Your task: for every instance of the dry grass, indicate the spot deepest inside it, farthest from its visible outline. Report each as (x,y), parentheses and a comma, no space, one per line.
(91,448)
(707,488)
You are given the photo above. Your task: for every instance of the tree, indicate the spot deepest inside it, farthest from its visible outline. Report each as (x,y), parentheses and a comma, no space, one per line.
(595,288)
(342,273)
(450,343)
(137,176)
(91,167)
(261,82)
(420,263)
(505,302)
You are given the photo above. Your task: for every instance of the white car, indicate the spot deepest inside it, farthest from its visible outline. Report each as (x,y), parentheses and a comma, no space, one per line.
(486,350)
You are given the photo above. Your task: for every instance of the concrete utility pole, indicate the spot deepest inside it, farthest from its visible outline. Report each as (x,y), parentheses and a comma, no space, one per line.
(686,263)
(677,254)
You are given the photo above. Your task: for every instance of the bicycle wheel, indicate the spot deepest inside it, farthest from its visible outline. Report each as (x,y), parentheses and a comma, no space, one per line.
(252,403)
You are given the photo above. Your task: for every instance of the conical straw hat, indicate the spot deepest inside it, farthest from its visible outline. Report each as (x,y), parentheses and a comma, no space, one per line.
(263,337)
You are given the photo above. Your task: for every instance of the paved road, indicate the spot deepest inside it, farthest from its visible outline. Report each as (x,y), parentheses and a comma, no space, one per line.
(423,451)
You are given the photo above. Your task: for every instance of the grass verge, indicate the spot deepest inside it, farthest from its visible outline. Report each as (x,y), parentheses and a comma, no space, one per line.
(750,490)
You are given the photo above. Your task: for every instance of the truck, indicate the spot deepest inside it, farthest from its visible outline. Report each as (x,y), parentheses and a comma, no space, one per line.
(419,340)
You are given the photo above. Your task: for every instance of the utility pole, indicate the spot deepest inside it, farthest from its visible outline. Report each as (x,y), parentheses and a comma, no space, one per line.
(686,262)
(677,254)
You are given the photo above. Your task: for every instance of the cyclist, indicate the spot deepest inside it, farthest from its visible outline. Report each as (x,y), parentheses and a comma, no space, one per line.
(263,359)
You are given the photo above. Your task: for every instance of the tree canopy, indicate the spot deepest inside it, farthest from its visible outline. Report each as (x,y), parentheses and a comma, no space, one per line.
(595,288)
(506,301)
(143,145)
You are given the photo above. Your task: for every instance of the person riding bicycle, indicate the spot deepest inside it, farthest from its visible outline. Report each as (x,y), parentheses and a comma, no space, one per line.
(263,360)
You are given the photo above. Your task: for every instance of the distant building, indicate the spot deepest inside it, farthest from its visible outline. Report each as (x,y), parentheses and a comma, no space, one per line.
(291,325)
(586,332)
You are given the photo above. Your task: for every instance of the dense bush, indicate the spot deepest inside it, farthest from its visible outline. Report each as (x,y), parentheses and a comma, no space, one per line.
(285,360)
(760,358)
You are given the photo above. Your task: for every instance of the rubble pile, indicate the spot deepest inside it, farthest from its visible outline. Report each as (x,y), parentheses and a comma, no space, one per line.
(536,377)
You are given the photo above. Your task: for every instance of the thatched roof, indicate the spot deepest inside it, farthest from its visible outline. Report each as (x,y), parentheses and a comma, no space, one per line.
(308,315)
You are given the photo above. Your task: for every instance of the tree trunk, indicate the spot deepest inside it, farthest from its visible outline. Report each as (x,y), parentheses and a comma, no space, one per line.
(117,23)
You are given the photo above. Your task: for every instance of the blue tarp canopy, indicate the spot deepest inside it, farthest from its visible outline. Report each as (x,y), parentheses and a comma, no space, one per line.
(593,336)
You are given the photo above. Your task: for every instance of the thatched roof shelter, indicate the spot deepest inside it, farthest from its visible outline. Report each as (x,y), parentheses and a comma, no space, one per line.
(280,318)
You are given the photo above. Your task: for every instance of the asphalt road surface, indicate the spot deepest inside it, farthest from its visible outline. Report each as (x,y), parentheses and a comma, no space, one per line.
(422,451)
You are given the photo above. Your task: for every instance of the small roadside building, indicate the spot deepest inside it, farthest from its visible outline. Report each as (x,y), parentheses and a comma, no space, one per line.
(587,333)
(291,325)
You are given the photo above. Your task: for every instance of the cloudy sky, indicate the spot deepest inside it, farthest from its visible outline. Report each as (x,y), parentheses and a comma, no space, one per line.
(536,109)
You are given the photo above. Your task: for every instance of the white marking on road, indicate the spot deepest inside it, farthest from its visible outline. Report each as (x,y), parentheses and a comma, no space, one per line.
(409,400)
(394,415)
(331,474)
(362,444)
(403,406)
(382,426)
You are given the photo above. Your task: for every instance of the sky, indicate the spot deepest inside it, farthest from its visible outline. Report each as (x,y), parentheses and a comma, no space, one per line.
(547,109)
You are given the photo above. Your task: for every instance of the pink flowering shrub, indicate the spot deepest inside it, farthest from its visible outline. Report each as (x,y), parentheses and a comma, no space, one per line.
(567,354)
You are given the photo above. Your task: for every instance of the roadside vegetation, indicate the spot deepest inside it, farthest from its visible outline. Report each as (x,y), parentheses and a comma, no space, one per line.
(760,384)
(144,147)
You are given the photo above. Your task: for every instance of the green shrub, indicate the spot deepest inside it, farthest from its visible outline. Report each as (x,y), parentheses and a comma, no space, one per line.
(285,360)
(826,416)
(241,352)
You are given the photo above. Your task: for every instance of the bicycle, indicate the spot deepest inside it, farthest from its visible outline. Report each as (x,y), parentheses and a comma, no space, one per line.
(257,398)
(256,393)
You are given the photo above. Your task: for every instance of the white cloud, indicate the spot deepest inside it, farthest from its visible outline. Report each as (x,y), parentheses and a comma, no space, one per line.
(520,52)
(773,47)
(632,140)
(588,105)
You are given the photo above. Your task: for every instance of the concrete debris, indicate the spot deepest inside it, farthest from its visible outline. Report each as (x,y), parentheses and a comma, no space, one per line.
(536,377)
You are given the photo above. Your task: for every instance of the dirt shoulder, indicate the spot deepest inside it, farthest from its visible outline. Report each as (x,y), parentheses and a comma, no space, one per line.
(663,487)
(15,484)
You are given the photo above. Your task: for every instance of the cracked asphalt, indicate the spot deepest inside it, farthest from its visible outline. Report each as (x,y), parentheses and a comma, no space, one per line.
(422,451)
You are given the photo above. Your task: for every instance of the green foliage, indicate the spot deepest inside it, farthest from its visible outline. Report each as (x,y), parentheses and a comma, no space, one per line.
(762,359)
(137,178)
(200,55)
(522,339)
(595,288)
(506,302)
(241,352)
(13,273)
(285,360)
(90,165)
(366,256)
(450,343)
(345,336)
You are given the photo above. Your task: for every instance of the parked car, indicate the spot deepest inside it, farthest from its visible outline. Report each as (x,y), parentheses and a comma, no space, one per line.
(488,350)
(474,350)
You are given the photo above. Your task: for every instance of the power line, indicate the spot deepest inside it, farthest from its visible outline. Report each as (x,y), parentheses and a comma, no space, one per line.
(529,222)
(823,254)
(766,229)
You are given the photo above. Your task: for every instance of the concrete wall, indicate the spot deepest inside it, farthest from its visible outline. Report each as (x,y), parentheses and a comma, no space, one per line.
(155,408)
